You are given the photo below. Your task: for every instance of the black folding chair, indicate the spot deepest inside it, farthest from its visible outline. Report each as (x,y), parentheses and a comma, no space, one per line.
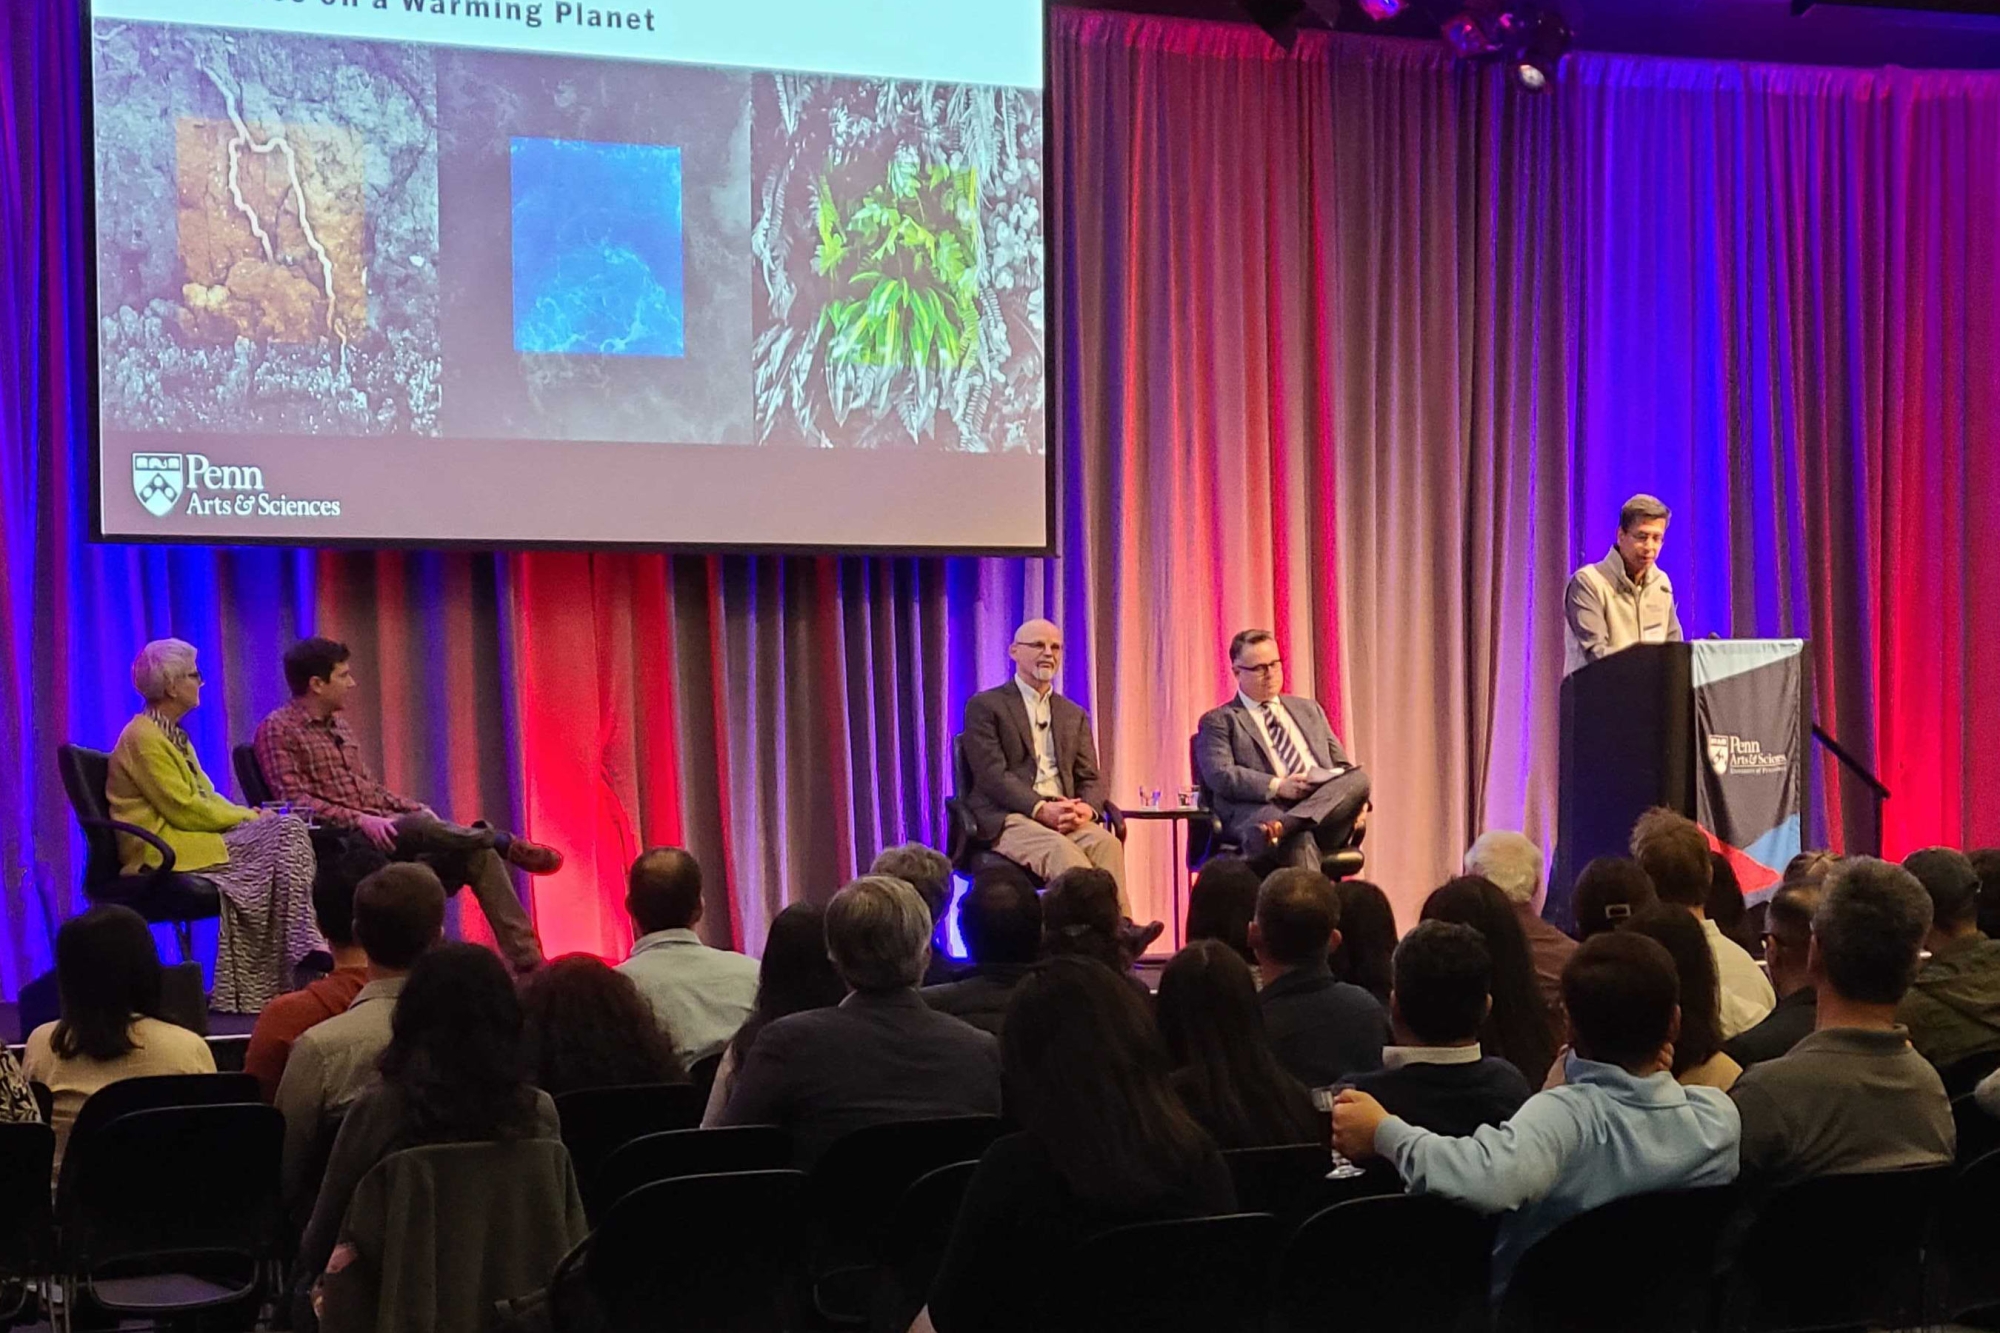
(913,1244)
(705,1254)
(162,895)
(27,1221)
(1392,1263)
(172,1211)
(250,776)
(156,1092)
(685,1152)
(702,1074)
(1197,1275)
(1835,1252)
(1569,1278)
(1964,1075)
(596,1122)
(1290,1182)
(1963,1261)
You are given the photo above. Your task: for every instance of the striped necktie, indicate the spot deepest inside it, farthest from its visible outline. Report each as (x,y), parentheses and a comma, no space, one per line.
(1281,740)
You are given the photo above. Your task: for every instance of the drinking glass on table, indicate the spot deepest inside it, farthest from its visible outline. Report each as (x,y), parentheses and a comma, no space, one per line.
(1149,797)
(1323,1100)
(1189,795)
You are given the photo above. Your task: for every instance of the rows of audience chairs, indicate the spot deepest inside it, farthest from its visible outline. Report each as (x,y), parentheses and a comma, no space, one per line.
(168,1205)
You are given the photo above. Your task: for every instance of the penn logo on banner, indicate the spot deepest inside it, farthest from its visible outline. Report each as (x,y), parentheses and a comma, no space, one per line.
(1737,754)
(158,480)
(1718,754)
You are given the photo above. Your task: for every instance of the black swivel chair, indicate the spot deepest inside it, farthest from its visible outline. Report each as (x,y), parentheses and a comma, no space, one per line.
(163,895)
(970,853)
(1208,838)
(250,776)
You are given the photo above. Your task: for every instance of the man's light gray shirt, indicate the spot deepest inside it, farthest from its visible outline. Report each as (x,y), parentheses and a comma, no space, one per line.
(700,995)
(332,1064)
(1606,611)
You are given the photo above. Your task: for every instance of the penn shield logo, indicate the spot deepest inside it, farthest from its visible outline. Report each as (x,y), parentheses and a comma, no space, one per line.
(158,480)
(1718,754)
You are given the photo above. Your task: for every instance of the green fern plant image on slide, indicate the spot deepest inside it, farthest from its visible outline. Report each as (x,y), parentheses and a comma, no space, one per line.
(904,267)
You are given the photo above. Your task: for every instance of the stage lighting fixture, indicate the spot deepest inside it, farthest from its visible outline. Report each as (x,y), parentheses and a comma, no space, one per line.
(1383,10)
(1466,34)
(1278,18)
(1542,47)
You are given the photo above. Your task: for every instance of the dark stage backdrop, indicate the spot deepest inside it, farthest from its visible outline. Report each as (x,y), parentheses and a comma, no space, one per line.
(1350,342)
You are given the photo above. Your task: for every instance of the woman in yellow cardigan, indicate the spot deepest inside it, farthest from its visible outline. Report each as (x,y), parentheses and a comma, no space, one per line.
(262,862)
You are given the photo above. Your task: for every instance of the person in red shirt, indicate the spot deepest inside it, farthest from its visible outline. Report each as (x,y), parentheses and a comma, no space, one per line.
(286,1018)
(310,760)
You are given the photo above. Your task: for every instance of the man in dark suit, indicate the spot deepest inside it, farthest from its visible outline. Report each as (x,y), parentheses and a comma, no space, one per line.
(1037,794)
(1321,1030)
(881,1054)
(1283,787)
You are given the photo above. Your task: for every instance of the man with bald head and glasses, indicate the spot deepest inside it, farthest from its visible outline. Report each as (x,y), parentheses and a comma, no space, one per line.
(1037,793)
(1283,787)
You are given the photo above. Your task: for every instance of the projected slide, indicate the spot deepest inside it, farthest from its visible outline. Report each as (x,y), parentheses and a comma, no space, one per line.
(516,271)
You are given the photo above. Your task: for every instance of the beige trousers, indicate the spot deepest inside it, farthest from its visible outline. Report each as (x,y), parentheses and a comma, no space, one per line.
(1048,853)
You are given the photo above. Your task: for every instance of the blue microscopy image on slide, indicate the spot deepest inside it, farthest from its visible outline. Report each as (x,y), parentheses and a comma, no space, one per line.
(597,248)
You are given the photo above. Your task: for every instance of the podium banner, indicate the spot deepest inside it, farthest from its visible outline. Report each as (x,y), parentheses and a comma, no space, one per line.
(1751,749)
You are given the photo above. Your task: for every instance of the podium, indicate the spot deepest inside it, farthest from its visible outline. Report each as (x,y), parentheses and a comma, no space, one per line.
(1716,729)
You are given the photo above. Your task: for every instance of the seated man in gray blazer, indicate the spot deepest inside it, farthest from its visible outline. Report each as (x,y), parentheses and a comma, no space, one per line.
(1037,794)
(1283,788)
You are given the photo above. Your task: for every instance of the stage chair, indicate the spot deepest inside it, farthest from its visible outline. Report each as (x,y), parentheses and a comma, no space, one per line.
(27,1220)
(1195,1275)
(913,1244)
(1650,1257)
(157,1092)
(169,1212)
(1207,838)
(704,1254)
(964,848)
(1835,1252)
(1396,1263)
(163,895)
(250,776)
(596,1122)
(1963,1261)
(674,1153)
(852,1193)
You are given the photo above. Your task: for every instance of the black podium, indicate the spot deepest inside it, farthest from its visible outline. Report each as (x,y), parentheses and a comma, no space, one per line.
(1715,729)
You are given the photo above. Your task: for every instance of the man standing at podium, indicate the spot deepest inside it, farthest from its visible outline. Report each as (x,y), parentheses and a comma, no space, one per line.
(1625,598)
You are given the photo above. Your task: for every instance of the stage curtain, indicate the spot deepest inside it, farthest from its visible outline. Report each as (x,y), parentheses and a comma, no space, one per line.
(1349,342)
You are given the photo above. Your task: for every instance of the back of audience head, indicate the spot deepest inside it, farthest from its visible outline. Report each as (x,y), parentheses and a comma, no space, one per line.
(1298,920)
(1519,1028)
(398,913)
(878,933)
(1367,937)
(1610,891)
(1725,905)
(1953,885)
(455,1050)
(1868,929)
(1809,868)
(1000,918)
(1510,860)
(663,890)
(107,974)
(1214,1029)
(924,869)
(1622,994)
(795,974)
(1700,988)
(1087,1074)
(587,1026)
(1674,853)
(335,880)
(1443,985)
(1080,916)
(1222,901)
(1788,932)
(1986,864)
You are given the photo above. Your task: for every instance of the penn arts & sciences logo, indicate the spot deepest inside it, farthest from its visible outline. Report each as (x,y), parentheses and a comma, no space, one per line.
(215,490)
(1734,754)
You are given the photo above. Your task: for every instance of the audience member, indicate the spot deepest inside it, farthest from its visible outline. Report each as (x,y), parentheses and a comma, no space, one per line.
(699,994)
(286,1017)
(1953,1007)
(1518,1029)
(1221,902)
(398,913)
(1513,864)
(1853,1095)
(928,871)
(1367,938)
(17,1098)
(881,1054)
(793,976)
(1080,916)
(1435,1076)
(452,1072)
(261,863)
(1104,1142)
(1609,891)
(1787,942)
(108,978)
(1000,918)
(1224,1068)
(1620,1125)
(1986,865)
(1322,1030)
(1726,907)
(1674,853)
(1698,1057)
(587,1026)
(1809,868)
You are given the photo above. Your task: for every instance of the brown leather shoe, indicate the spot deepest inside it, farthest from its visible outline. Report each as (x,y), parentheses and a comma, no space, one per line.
(534,857)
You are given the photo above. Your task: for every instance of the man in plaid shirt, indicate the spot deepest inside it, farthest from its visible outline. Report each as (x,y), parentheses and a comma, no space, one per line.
(310,761)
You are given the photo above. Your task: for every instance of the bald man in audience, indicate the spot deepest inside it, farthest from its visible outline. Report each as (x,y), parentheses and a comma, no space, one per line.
(699,994)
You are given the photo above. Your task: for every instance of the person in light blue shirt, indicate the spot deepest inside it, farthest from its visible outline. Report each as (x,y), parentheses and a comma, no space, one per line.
(1619,1125)
(700,995)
